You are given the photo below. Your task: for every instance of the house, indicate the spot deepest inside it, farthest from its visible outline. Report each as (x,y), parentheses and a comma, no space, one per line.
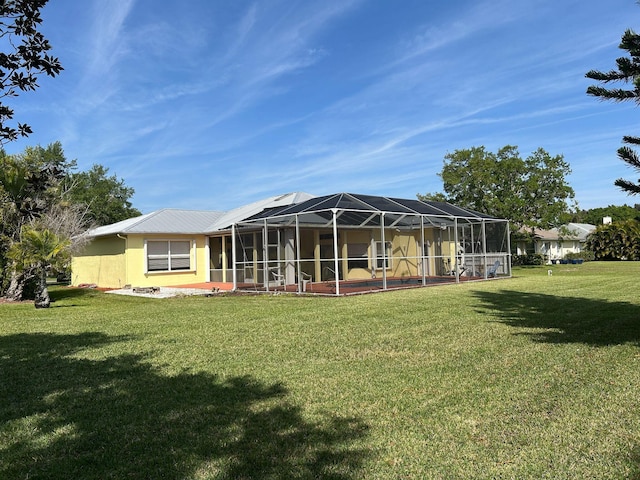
(335,244)
(556,243)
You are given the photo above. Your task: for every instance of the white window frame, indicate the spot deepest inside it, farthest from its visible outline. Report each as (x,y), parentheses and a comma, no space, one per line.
(191,255)
(377,255)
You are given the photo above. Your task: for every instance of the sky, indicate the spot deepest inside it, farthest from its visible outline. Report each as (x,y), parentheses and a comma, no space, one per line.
(212,104)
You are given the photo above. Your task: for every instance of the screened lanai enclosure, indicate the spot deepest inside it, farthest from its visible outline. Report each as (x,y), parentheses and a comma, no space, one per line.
(347,243)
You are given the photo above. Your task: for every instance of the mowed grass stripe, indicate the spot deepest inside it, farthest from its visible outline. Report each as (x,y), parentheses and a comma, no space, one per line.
(533,377)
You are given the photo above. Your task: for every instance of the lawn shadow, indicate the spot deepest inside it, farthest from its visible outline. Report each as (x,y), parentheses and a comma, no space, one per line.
(63,415)
(560,319)
(66,293)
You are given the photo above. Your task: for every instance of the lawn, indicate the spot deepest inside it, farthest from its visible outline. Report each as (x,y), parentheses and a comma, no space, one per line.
(536,376)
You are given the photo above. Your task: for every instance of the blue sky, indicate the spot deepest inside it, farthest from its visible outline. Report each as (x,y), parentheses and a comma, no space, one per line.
(212,104)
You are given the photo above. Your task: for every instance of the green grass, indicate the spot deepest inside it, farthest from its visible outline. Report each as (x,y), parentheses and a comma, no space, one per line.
(533,377)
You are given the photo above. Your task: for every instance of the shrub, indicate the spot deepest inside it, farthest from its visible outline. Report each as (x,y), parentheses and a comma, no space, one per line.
(529,259)
(586,255)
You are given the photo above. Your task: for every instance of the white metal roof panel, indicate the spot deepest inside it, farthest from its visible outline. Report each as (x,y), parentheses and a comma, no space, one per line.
(246,211)
(167,220)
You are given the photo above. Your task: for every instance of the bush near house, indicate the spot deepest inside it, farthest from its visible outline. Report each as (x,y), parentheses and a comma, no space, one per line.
(584,255)
(528,259)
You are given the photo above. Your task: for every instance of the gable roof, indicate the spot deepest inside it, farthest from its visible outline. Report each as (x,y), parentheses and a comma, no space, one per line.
(268,204)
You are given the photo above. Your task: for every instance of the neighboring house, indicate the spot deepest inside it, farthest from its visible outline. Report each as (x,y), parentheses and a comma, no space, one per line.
(556,243)
(292,240)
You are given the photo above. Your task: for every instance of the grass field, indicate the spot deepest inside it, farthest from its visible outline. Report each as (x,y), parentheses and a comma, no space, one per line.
(533,377)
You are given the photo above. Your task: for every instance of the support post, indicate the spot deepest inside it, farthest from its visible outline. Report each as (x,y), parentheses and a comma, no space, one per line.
(508,234)
(484,246)
(298,266)
(384,253)
(335,250)
(455,248)
(265,254)
(424,254)
(233,257)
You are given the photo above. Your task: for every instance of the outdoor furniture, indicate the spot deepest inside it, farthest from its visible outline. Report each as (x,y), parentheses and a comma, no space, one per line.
(278,277)
(493,271)
(306,278)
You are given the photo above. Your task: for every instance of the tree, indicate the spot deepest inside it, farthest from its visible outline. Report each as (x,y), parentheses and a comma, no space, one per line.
(617,213)
(107,198)
(37,191)
(628,72)
(26,59)
(37,251)
(29,190)
(530,192)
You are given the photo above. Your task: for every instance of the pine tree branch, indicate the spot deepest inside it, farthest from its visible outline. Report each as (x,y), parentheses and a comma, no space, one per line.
(629,187)
(615,94)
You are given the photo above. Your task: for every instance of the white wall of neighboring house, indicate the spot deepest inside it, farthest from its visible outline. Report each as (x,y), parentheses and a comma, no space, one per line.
(556,249)
(552,246)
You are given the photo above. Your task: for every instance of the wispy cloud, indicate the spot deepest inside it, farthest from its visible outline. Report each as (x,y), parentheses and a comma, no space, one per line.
(236,100)
(109,41)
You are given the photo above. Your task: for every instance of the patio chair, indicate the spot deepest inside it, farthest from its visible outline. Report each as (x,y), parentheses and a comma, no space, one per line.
(278,278)
(306,279)
(493,270)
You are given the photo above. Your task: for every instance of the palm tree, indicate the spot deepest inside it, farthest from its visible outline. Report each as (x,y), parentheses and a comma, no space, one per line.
(38,250)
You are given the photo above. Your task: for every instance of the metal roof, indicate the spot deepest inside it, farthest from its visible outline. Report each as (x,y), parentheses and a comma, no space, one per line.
(167,220)
(277,202)
(176,221)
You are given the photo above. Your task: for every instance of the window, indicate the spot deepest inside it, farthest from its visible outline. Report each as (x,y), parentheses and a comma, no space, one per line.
(383,256)
(168,255)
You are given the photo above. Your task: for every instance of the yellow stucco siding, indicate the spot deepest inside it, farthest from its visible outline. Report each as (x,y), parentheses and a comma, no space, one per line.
(113,262)
(429,240)
(404,252)
(356,237)
(102,263)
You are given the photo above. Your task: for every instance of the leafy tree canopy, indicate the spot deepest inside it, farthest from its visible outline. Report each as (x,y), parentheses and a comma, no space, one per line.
(628,72)
(24,59)
(617,213)
(106,198)
(530,192)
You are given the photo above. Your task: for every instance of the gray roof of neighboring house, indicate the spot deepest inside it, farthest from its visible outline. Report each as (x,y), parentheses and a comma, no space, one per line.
(570,231)
(174,221)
